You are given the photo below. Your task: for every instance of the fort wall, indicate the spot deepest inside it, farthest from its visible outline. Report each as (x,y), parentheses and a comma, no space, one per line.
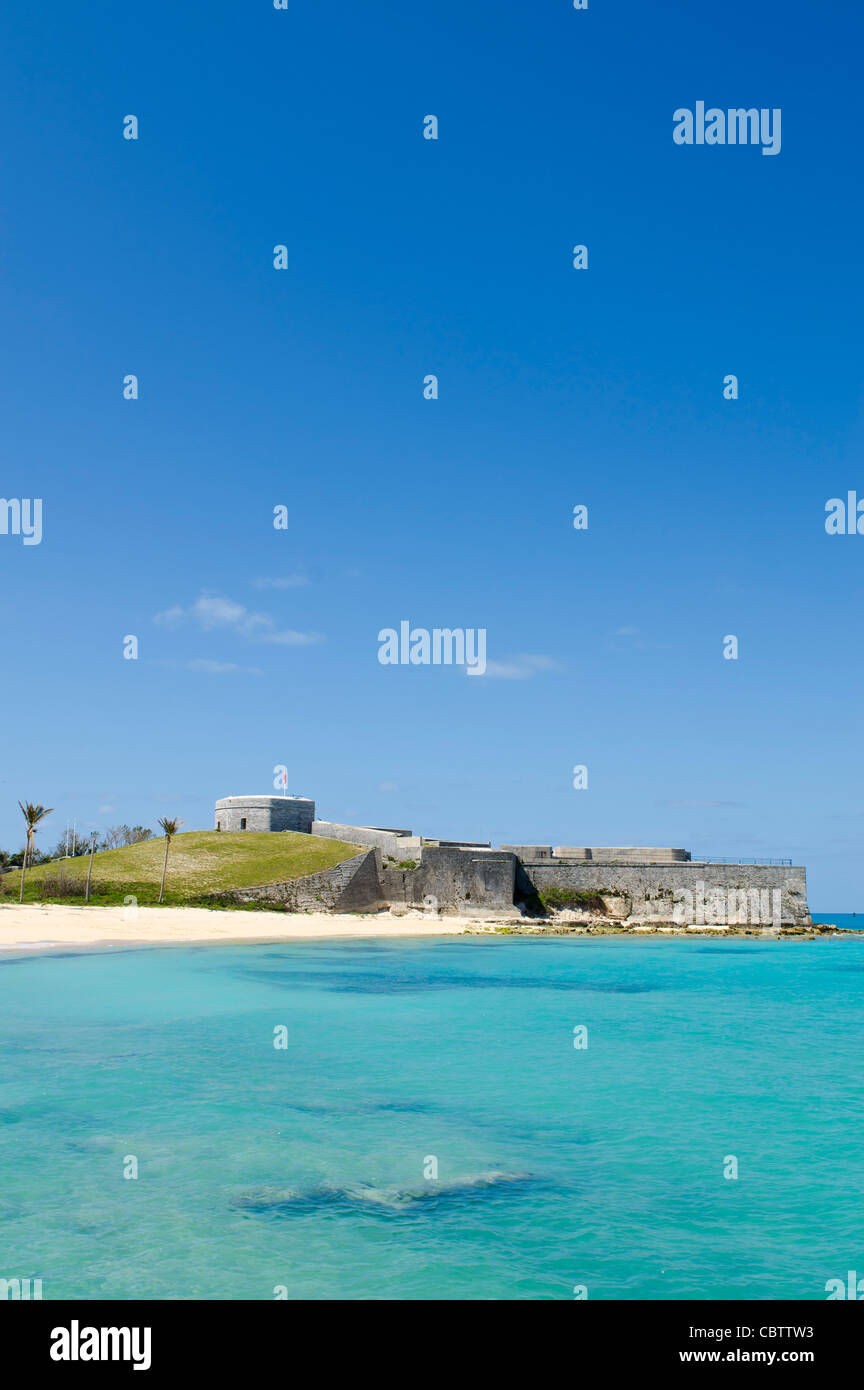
(463,881)
(651,892)
(633,885)
(397,846)
(352,886)
(494,882)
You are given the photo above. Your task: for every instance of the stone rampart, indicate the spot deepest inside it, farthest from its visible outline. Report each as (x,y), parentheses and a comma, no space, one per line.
(464,881)
(352,886)
(727,894)
(396,846)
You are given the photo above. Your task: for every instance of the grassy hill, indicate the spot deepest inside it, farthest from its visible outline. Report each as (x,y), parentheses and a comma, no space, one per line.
(200,863)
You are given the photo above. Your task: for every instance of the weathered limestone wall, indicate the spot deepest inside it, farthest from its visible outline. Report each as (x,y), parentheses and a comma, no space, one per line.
(352,886)
(471,882)
(532,852)
(698,891)
(468,882)
(396,846)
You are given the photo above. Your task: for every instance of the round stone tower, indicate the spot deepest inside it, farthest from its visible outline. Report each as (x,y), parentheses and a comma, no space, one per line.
(265,813)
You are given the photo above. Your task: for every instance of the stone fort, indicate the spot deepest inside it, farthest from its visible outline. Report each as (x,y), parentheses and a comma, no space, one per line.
(396,869)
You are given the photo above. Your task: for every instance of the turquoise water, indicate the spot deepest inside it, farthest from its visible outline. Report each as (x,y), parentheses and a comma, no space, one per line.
(304,1167)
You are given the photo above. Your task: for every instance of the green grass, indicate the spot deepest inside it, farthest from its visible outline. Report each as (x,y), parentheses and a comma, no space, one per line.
(201,864)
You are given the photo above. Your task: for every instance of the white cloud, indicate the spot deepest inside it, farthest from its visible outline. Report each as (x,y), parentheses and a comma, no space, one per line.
(211,612)
(631,639)
(520,668)
(171,617)
(288,581)
(701,803)
(219,668)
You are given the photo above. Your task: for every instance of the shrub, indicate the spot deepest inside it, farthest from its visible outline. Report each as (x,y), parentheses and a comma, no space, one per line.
(574,898)
(62,885)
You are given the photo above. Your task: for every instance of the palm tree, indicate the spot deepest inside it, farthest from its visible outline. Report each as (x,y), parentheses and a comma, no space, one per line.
(94,836)
(170,827)
(32,815)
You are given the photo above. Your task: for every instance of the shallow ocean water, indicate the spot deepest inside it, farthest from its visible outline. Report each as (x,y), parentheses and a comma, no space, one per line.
(304,1168)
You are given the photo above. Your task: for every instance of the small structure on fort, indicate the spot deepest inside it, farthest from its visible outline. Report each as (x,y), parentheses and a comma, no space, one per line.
(579,854)
(265,813)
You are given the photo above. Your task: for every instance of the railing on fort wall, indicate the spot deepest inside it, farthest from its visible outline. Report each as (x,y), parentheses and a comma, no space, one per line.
(716,859)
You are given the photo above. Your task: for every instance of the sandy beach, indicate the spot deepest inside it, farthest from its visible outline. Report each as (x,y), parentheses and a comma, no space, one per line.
(52,925)
(38,926)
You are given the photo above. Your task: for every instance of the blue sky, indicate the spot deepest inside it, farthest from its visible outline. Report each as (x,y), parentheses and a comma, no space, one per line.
(304,388)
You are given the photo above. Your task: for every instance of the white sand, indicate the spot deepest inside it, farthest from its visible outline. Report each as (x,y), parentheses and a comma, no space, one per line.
(60,925)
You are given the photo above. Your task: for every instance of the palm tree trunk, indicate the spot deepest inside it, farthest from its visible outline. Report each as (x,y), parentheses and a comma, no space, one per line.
(164,867)
(90,869)
(24,867)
